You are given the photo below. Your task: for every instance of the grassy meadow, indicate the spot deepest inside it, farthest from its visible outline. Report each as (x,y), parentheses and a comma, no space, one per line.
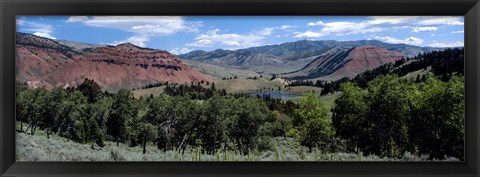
(40,148)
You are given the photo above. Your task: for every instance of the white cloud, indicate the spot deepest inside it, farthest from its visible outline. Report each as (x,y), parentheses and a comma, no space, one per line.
(319,23)
(227,40)
(381,23)
(446,44)
(46,35)
(161,25)
(425,28)
(347,28)
(266,31)
(410,40)
(390,19)
(143,27)
(284,27)
(178,51)
(455,23)
(339,29)
(269,30)
(136,40)
(438,20)
(73,19)
(20,22)
(38,29)
(308,34)
(461,31)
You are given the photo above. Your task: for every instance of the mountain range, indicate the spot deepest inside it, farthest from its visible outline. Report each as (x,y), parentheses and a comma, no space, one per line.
(290,56)
(43,62)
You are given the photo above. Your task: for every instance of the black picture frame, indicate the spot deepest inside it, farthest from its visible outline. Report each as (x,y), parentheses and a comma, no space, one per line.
(470,9)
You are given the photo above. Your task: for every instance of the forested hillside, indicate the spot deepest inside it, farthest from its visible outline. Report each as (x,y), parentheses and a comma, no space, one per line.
(444,64)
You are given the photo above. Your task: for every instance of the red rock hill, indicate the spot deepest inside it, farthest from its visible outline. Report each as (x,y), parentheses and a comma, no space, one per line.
(45,62)
(348,61)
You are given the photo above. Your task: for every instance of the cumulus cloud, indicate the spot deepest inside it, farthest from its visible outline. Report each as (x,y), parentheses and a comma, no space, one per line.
(143,27)
(378,24)
(423,29)
(266,31)
(38,29)
(73,19)
(229,40)
(161,25)
(318,23)
(136,40)
(410,40)
(438,20)
(43,34)
(390,20)
(417,20)
(308,34)
(338,29)
(284,27)
(269,30)
(456,32)
(446,44)
(347,28)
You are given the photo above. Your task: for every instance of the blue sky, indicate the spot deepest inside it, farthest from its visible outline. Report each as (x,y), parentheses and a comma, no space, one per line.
(181,34)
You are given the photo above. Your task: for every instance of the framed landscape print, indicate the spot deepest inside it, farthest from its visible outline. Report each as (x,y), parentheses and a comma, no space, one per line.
(225,88)
(239,88)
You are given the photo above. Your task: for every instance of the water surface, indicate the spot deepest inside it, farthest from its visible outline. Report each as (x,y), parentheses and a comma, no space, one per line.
(275,94)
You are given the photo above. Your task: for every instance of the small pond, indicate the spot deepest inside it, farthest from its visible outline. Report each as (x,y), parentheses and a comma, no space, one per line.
(274,94)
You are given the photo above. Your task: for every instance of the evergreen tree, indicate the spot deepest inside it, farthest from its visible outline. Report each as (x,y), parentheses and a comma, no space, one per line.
(91,90)
(122,112)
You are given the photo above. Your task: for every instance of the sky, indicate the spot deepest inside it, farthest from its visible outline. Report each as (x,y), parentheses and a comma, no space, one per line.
(182,34)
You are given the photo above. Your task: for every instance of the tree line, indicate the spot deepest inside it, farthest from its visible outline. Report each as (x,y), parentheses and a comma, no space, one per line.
(391,116)
(171,121)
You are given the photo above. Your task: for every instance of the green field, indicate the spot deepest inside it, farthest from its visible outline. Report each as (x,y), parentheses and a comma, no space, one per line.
(241,86)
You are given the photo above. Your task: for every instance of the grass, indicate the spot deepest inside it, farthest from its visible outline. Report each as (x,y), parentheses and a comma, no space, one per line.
(421,72)
(231,86)
(38,148)
(248,85)
(155,91)
(302,89)
(329,99)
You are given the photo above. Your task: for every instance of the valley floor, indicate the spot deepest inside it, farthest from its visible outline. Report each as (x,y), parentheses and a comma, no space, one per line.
(241,86)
